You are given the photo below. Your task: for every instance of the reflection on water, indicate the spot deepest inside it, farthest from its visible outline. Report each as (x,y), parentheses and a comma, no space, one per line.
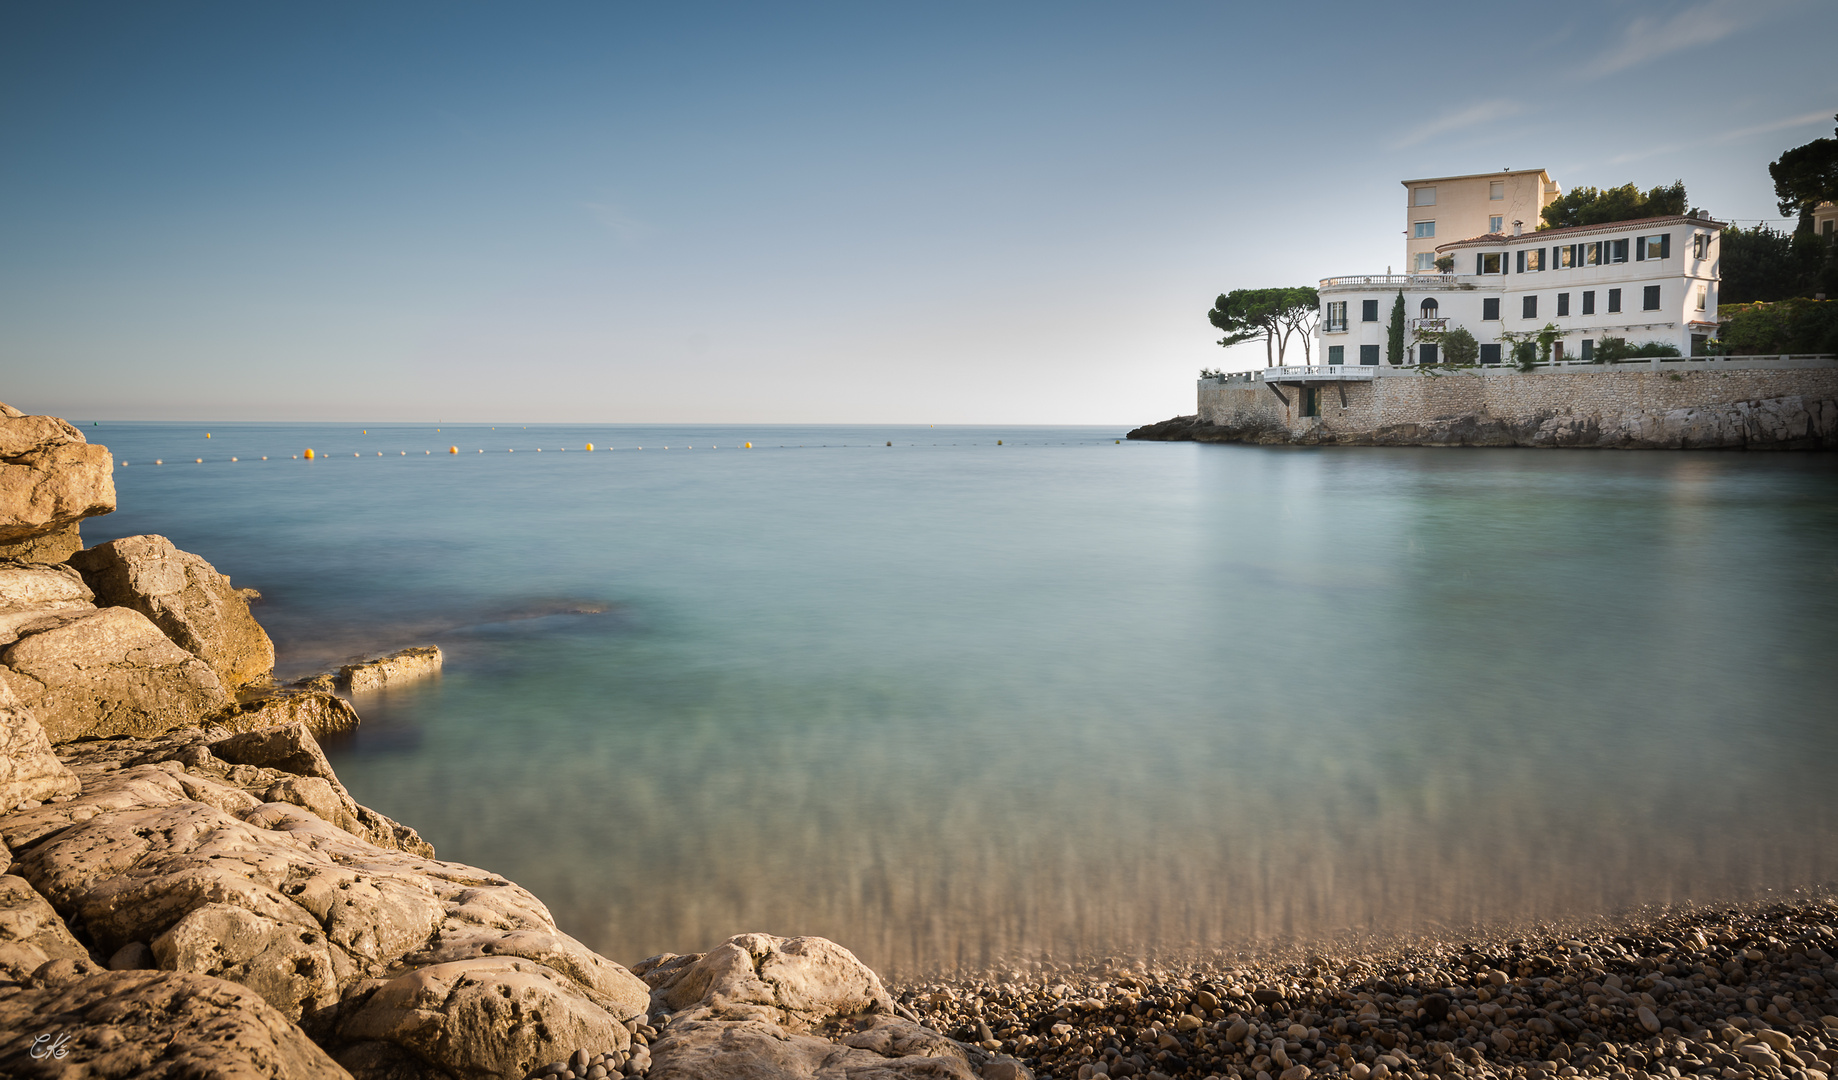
(948,703)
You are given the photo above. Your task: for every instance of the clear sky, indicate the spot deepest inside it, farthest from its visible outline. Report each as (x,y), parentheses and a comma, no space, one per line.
(852,212)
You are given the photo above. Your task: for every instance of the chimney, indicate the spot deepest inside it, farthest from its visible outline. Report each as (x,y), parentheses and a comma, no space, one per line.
(1518,228)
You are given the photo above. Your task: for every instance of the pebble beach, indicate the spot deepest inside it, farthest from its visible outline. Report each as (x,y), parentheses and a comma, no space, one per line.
(1733,991)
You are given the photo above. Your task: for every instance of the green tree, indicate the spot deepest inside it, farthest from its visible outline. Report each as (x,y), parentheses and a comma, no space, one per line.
(1394,336)
(1804,177)
(1459,347)
(1588,206)
(1275,315)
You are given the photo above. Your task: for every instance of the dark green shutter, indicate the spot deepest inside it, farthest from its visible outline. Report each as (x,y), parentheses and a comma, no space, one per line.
(1665,246)
(1521,260)
(1640,249)
(1477,264)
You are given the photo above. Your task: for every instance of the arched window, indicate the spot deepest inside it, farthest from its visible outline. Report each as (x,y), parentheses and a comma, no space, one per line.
(1429,308)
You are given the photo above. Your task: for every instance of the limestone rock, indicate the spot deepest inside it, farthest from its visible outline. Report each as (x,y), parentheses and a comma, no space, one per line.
(52,547)
(487,1017)
(800,982)
(50,479)
(39,596)
(31,934)
(187,599)
(322,713)
(28,768)
(109,672)
(156,1025)
(399,667)
(407,965)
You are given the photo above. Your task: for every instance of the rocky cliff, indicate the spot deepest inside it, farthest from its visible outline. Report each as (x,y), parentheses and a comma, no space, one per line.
(186,889)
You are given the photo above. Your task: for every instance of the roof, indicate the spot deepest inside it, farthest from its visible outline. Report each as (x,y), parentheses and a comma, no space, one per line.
(1496,239)
(1479,176)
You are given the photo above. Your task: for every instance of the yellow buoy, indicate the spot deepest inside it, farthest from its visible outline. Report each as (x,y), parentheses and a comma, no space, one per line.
(452,449)
(998,442)
(309,453)
(357,455)
(232,459)
(207,434)
(157,461)
(749,446)
(264,457)
(198,460)
(590,448)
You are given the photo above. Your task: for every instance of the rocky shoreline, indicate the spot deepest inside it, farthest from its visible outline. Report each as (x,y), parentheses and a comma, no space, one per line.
(187,890)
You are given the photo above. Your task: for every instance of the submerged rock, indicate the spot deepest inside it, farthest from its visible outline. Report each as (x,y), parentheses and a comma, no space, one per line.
(50,479)
(187,599)
(108,672)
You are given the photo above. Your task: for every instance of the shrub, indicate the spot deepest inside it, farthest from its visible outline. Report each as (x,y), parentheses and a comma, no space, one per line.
(1790,326)
(1613,350)
(1459,347)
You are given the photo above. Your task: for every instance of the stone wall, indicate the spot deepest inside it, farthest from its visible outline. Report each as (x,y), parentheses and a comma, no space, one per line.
(1648,409)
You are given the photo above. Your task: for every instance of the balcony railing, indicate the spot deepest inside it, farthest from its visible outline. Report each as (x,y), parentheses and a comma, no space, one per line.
(1402,281)
(1437,325)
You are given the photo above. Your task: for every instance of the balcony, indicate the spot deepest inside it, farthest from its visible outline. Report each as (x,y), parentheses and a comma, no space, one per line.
(1415,282)
(1436,325)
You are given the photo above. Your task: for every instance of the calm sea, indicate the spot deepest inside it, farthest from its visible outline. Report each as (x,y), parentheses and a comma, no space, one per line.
(948,701)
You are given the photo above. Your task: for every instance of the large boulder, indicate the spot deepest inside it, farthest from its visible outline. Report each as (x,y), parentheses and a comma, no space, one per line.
(747,1010)
(50,479)
(395,962)
(187,599)
(29,771)
(320,712)
(109,672)
(154,1025)
(31,934)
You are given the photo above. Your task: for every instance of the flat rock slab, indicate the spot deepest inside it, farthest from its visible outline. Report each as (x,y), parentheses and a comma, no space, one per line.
(396,668)
(154,1025)
(110,672)
(187,599)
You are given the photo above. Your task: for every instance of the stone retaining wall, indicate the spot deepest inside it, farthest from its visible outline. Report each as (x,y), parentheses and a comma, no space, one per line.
(1749,408)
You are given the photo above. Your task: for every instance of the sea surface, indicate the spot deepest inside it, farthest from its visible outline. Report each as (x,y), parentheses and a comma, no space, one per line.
(950,701)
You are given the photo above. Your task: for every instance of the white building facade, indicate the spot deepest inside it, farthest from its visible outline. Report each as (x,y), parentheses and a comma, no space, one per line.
(1651,280)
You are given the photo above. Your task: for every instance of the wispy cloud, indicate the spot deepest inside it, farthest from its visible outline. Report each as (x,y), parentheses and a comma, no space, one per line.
(1651,37)
(1479,113)
(1823,116)
(621,224)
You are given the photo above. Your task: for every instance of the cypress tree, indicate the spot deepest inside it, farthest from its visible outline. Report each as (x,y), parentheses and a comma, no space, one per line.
(1394,341)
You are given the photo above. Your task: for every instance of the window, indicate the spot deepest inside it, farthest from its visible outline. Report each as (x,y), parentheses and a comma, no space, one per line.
(1423,230)
(1563,303)
(1700,243)
(1703,297)
(1496,223)
(1649,299)
(1423,196)
(1614,301)
(1311,401)
(1426,260)
(1336,317)
(1494,263)
(1588,350)
(1614,251)
(1563,258)
(1426,353)
(1336,354)
(1592,254)
(1530,262)
(1490,308)
(1490,354)
(1496,190)
(1652,247)
(1368,311)
(1428,308)
(1589,302)
(1368,355)
(1528,308)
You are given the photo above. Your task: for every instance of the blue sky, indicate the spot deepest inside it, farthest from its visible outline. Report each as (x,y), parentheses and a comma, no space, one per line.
(940,213)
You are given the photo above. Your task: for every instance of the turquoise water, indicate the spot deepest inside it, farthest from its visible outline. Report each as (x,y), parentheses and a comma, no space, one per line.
(947,701)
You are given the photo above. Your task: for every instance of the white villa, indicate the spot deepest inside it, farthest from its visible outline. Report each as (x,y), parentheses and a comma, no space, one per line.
(1652,280)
